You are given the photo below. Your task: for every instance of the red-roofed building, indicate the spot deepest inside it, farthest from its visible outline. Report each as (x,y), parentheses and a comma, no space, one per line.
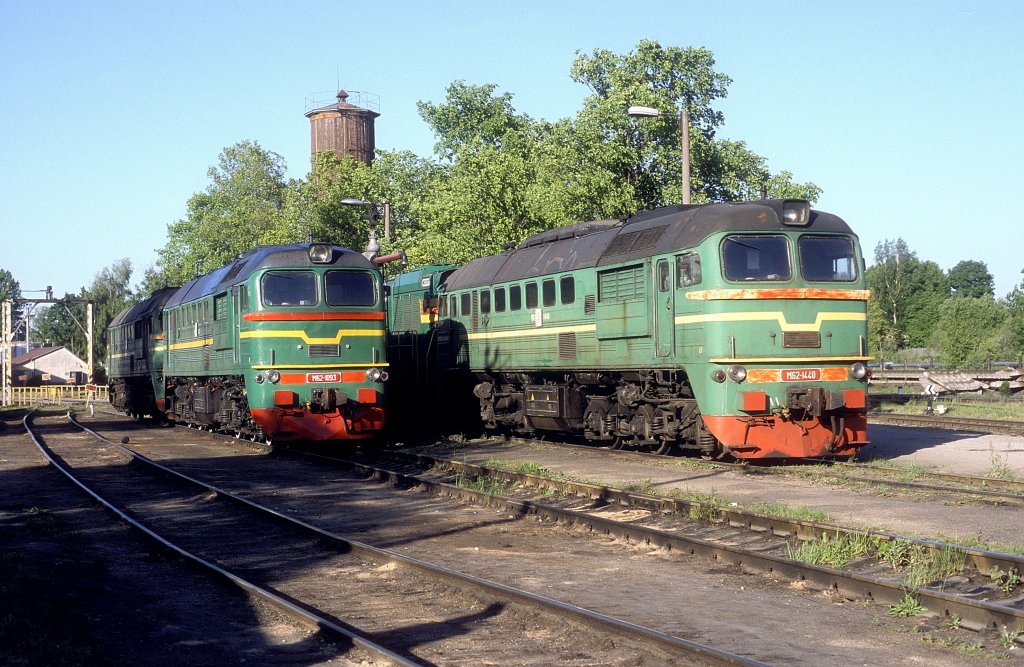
(48,366)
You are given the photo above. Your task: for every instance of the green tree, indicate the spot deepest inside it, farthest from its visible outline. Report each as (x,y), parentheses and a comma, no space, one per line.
(921,313)
(890,280)
(10,290)
(670,79)
(968,331)
(66,322)
(971,278)
(247,203)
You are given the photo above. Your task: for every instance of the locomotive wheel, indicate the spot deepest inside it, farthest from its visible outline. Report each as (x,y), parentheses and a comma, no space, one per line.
(640,425)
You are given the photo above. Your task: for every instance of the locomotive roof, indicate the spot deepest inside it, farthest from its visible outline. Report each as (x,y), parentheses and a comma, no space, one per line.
(144,308)
(294,255)
(410,280)
(605,242)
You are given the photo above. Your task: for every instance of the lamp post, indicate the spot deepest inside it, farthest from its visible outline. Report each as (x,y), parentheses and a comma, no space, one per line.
(373,247)
(684,142)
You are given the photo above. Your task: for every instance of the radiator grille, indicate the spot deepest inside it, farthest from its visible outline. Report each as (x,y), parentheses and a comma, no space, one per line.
(319,351)
(801,339)
(567,345)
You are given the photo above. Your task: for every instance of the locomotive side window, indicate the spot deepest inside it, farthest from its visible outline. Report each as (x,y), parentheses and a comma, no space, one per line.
(688,270)
(499,299)
(531,296)
(515,297)
(567,286)
(465,305)
(350,288)
(485,301)
(454,311)
(664,276)
(756,258)
(548,287)
(827,258)
(289,288)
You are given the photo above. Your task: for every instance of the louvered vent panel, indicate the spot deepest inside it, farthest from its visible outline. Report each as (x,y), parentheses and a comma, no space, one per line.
(588,304)
(567,346)
(635,241)
(622,284)
(319,351)
(801,339)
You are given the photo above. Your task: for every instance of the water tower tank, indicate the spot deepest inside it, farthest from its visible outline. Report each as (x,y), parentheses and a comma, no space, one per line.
(346,129)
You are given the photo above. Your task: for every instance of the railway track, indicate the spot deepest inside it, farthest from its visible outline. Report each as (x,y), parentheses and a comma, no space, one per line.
(737,538)
(971,424)
(268,554)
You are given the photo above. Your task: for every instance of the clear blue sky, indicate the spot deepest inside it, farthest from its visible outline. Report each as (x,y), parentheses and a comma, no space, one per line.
(907,114)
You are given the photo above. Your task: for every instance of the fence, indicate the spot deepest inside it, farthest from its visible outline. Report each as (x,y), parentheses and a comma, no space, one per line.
(58,395)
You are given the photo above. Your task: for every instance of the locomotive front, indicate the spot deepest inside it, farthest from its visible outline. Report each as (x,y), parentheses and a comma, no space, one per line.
(312,345)
(780,312)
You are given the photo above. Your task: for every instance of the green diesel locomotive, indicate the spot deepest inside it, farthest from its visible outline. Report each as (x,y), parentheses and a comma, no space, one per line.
(285,343)
(731,329)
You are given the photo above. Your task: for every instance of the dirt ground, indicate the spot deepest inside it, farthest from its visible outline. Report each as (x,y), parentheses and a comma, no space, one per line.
(109,578)
(909,515)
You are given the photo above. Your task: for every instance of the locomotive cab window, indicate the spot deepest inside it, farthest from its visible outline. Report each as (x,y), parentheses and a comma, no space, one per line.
(289,288)
(688,270)
(827,258)
(747,258)
(350,288)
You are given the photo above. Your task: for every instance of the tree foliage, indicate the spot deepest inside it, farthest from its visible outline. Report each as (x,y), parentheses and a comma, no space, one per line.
(247,203)
(971,278)
(10,290)
(66,322)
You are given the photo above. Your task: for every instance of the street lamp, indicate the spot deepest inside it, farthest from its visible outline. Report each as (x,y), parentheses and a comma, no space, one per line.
(684,142)
(373,247)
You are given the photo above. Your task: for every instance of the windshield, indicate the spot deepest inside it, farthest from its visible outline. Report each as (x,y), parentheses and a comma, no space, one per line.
(350,288)
(827,258)
(289,288)
(755,258)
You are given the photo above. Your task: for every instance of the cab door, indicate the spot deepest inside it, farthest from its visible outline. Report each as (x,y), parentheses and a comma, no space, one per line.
(664,309)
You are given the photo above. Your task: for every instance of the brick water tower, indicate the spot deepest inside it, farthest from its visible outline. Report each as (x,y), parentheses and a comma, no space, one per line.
(343,127)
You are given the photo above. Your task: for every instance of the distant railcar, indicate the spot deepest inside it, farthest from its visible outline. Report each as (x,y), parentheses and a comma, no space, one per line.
(286,343)
(729,329)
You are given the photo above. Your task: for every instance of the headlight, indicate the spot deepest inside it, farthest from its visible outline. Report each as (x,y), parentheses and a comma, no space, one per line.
(273,376)
(737,373)
(796,212)
(320,253)
(375,375)
(859,370)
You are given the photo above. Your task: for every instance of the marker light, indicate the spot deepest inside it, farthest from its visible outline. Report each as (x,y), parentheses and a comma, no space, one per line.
(273,376)
(718,376)
(859,370)
(376,375)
